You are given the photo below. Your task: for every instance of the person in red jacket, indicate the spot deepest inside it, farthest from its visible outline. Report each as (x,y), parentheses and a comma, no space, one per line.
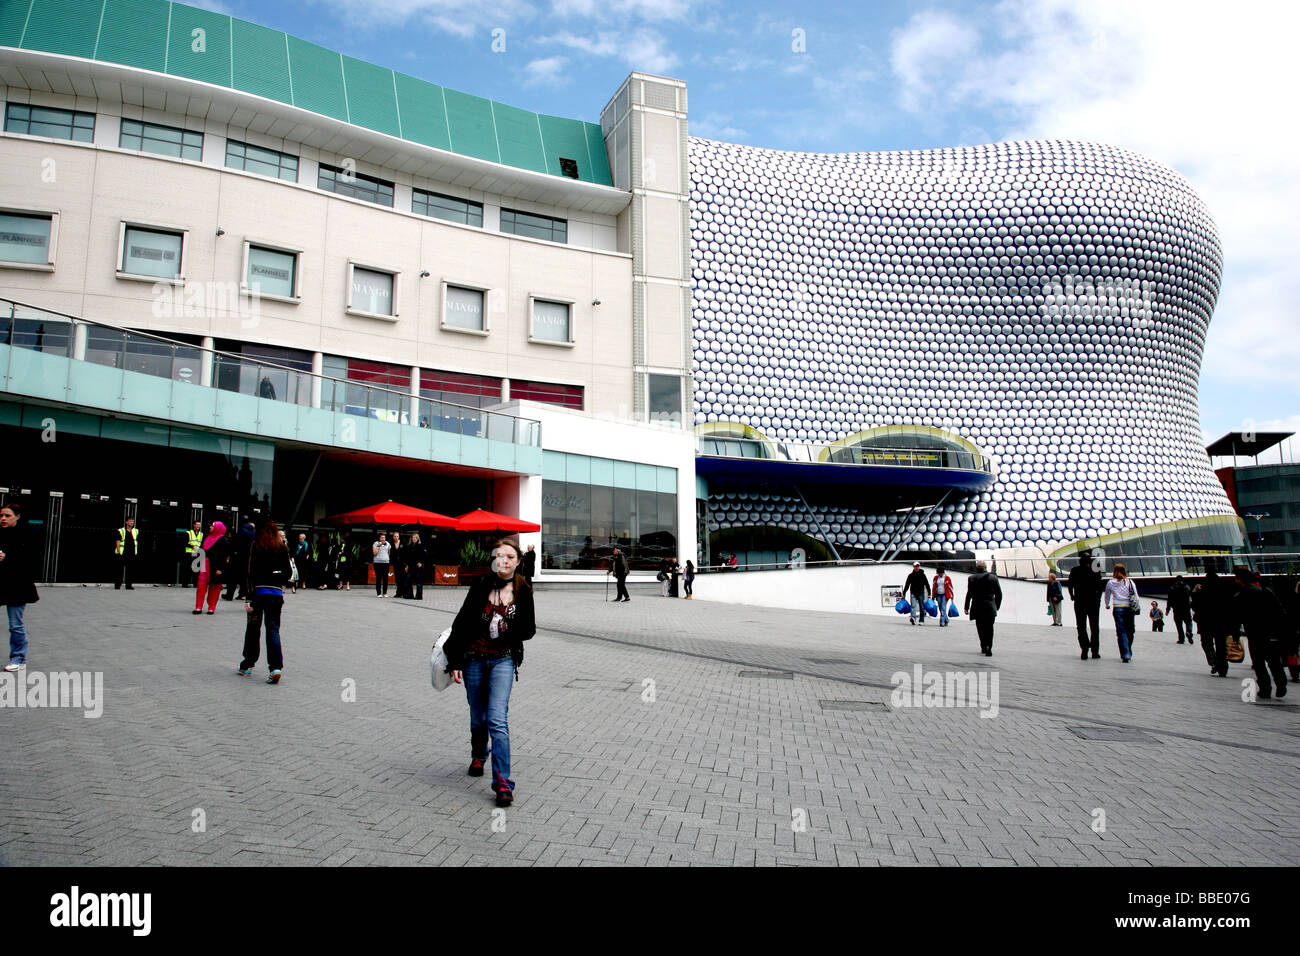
(943,594)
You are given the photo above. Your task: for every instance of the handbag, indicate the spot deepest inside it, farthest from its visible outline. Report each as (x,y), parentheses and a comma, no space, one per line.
(439,677)
(1134,604)
(1236,653)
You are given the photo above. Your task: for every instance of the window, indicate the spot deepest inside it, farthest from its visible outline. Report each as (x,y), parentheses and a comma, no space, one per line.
(551,323)
(371,389)
(463,309)
(566,396)
(270,271)
(347,182)
(665,398)
(460,388)
(372,292)
(152,253)
(531,224)
(27,239)
(48,121)
(446,207)
(166,140)
(258,159)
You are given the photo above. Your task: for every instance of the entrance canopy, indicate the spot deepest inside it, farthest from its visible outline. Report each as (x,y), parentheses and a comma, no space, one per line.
(390,512)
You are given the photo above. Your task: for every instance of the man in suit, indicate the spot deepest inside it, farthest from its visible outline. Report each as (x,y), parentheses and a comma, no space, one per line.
(983,598)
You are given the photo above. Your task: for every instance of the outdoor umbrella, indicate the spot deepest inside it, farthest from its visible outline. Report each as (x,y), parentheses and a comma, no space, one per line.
(392,513)
(490,521)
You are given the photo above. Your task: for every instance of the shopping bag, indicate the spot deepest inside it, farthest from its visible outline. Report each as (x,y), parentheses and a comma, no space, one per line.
(1236,653)
(952,610)
(902,607)
(439,677)
(931,608)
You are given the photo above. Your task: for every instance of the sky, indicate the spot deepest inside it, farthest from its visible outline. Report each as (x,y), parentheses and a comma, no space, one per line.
(1207,88)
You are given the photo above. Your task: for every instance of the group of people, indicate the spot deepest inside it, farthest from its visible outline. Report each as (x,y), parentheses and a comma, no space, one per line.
(982,603)
(404,561)
(675,580)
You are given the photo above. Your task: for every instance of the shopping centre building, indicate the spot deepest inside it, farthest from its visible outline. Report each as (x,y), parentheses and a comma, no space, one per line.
(241,272)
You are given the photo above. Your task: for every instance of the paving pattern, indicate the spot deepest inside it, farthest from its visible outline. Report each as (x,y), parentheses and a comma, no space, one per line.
(656,732)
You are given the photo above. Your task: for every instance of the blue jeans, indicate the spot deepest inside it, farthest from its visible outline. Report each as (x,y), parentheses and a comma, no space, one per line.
(487,686)
(943,611)
(268,607)
(918,607)
(1124,630)
(17,634)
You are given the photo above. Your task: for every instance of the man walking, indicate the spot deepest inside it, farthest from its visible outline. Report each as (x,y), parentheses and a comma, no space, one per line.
(529,566)
(620,576)
(943,594)
(125,550)
(983,599)
(1212,610)
(1085,587)
(17,581)
(1179,604)
(919,588)
(1258,613)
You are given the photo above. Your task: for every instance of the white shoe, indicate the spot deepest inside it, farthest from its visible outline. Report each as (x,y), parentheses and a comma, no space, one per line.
(13,668)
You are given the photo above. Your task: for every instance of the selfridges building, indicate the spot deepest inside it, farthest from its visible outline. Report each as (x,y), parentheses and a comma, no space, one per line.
(1042,306)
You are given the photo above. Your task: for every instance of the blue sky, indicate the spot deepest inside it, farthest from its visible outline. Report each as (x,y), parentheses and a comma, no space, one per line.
(1205,88)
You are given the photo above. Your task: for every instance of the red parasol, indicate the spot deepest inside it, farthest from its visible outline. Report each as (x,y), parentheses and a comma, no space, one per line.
(392,513)
(490,521)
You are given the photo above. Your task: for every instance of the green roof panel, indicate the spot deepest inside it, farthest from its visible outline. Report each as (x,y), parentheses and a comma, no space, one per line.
(134,32)
(423,114)
(168,37)
(371,100)
(13,17)
(199,45)
(519,138)
(69,27)
(599,158)
(260,61)
(317,75)
(473,132)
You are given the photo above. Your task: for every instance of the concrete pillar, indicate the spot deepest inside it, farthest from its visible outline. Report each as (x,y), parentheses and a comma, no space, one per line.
(317,365)
(505,390)
(205,363)
(80,332)
(415,395)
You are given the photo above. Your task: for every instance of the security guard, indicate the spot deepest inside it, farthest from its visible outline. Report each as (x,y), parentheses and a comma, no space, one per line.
(125,551)
(193,549)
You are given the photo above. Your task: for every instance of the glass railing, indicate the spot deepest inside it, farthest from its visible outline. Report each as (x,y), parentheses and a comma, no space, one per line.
(852,455)
(25,327)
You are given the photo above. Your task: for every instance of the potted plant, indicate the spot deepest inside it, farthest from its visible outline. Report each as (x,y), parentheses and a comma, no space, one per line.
(473,562)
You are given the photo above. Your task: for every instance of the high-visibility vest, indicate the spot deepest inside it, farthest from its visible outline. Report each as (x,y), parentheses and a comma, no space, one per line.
(121,540)
(196,541)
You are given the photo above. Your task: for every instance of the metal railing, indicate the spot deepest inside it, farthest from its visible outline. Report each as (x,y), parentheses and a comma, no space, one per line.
(55,333)
(716,446)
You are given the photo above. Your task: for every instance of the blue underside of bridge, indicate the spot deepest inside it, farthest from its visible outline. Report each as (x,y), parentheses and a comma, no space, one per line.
(829,473)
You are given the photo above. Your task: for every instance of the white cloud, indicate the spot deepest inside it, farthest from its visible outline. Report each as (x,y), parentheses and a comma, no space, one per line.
(710,129)
(641,49)
(1206,91)
(462,18)
(620,9)
(548,71)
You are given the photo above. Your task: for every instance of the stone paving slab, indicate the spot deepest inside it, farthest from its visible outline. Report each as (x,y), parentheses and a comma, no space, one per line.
(636,741)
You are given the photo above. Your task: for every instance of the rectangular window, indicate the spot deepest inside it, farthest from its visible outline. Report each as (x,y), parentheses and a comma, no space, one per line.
(463,309)
(51,122)
(566,396)
(348,182)
(152,252)
(372,292)
(534,225)
(460,388)
(26,238)
(271,272)
(438,206)
(665,398)
(551,322)
(260,160)
(165,140)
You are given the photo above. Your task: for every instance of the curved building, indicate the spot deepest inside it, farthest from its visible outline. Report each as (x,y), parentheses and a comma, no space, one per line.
(1045,302)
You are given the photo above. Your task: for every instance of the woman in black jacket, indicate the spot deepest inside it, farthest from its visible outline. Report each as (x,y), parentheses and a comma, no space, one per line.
(268,572)
(484,650)
(17,581)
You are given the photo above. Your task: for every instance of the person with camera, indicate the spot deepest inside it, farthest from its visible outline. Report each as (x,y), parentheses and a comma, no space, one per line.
(484,651)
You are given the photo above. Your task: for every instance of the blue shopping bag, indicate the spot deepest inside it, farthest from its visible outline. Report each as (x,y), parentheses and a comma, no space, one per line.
(931,608)
(902,607)
(952,610)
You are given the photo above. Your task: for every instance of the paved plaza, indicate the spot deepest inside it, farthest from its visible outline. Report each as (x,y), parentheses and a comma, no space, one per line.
(658,732)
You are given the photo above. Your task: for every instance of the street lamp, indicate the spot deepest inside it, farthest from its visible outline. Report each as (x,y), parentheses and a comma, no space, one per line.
(1259,531)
